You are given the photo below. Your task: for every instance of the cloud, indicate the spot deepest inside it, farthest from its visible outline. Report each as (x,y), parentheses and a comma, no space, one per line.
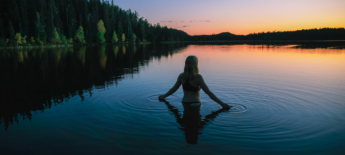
(163,21)
(207,21)
(190,21)
(185,25)
(182,21)
(169,21)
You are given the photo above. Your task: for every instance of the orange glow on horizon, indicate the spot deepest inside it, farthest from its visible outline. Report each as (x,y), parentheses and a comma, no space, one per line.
(240,17)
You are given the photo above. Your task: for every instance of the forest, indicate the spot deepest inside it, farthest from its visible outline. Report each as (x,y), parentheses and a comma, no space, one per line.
(82,22)
(88,22)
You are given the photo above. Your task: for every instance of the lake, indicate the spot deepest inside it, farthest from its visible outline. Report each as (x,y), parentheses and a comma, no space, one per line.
(286,98)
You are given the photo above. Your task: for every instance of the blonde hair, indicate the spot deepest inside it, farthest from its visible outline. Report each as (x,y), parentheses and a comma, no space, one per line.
(191,67)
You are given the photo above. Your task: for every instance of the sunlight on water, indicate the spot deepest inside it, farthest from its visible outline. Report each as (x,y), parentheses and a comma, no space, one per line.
(285,99)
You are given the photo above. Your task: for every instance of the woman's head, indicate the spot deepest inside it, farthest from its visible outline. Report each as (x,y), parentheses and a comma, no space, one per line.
(191,67)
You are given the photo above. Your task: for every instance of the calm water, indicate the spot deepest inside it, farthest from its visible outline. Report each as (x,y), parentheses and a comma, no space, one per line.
(286,99)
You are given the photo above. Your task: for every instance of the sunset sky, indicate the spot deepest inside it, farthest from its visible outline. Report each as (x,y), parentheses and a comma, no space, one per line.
(239,17)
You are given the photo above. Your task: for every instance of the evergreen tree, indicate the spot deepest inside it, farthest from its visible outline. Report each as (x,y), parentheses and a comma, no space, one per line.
(70,41)
(134,37)
(39,42)
(120,30)
(100,26)
(24,17)
(79,36)
(123,37)
(39,26)
(18,39)
(141,29)
(114,38)
(56,37)
(2,42)
(2,30)
(23,39)
(13,13)
(100,38)
(32,40)
(64,40)
(11,31)
(100,34)
(106,19)
(51,14)
(129,30)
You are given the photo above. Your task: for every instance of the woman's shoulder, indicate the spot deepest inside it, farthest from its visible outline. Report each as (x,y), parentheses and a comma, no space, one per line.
(198,76)
(180,76)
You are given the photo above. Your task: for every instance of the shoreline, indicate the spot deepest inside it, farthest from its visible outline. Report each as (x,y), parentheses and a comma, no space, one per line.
(172,42)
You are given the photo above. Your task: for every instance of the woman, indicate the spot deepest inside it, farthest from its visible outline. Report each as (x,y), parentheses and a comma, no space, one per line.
(191,82)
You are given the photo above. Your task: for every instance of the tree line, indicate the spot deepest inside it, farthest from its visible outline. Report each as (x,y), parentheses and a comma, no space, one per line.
(29,22)
(83,22)
(305,34)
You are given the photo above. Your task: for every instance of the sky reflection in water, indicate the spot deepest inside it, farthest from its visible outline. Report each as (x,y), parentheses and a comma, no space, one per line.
(104,100)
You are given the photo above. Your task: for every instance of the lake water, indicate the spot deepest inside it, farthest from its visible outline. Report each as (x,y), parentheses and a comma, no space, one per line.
(287,99)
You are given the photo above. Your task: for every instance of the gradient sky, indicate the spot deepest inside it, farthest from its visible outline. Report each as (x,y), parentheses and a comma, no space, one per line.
(239,17)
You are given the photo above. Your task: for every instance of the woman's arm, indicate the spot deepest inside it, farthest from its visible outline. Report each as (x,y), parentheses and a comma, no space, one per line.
(205,88)
(173,89)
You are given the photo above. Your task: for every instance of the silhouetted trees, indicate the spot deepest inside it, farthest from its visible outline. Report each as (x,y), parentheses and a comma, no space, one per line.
(46,19)
(310,34)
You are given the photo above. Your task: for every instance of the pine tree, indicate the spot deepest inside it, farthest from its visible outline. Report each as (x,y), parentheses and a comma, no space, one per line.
(79,36)
(50,13)
(123,37)
(11,31)
(23,40)
(24,17)
(114,38)
(18,39)
(64,40)
(100,26)
(2,30)
(39,26)
(32,40)
(141,29)
(129,30)
(56,37)
(134,37)
(70,41)
(100,34)
(120,29)
(100,38)
(39,42)
(106,19)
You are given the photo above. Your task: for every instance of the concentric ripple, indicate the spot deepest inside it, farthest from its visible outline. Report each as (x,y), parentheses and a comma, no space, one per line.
(237,108)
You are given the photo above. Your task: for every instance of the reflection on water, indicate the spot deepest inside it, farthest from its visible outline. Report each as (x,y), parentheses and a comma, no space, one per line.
(191,122)
(340,44)
(36,79)
(286,99)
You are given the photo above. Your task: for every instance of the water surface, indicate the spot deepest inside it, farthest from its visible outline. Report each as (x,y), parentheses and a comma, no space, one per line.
(286,99)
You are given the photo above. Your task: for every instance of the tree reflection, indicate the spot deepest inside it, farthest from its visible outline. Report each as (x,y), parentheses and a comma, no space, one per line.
(297,44)
(33,80)
(103,57)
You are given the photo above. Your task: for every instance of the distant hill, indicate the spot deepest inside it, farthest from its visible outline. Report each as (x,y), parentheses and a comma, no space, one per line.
(310,34)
